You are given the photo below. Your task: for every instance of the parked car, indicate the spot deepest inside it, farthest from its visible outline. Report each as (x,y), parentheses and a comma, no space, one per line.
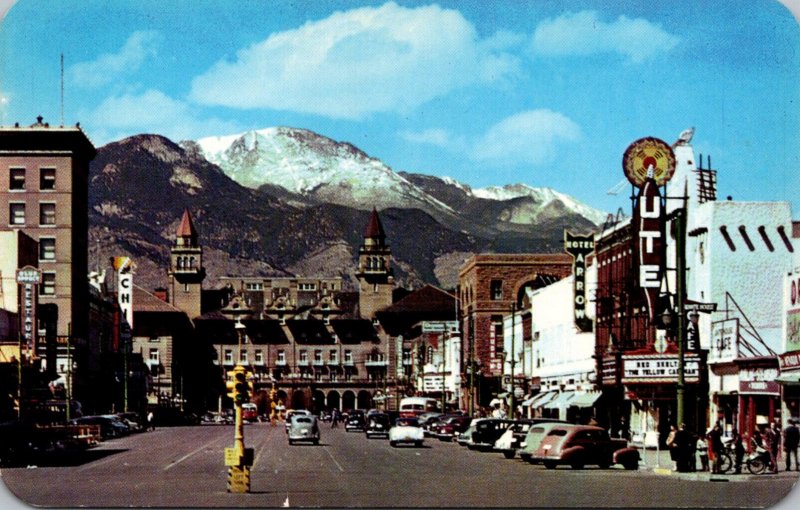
(303,427)
(534,438)
(355,420)
(424,418)
(406,430)
(132,420)
(487,432)
(465,438)
(452,427)
(294,412)
(511,441)
(109,427)
(579,445)
(378,424)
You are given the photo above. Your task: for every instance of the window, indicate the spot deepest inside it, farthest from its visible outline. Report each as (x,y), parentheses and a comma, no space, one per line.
(17,179)
(303,356)
(242,356)
(348,357)
(47,214)
(333,357)
(334,376)
(47,248)
(47,179)
(260,357)
(318,357)
(153,356)
(228,356)
(307,286)
(48,284)
(16,213)
(496,290)
(254,286)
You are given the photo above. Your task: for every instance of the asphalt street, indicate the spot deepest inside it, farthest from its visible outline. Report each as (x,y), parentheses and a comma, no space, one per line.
(184,467)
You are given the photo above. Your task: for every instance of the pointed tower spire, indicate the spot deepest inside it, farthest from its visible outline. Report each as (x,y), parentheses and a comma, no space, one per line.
(186,235)
(373,233)
(374,273)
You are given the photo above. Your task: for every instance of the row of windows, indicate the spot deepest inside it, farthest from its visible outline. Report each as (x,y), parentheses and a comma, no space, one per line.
(17,181)
(333,356)
(17,214)
(495,292)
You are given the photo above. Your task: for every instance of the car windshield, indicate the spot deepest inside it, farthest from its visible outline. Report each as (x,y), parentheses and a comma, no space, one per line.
(406,422)
(302,419)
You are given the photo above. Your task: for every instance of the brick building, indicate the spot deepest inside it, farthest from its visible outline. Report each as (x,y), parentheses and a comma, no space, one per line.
(491,286)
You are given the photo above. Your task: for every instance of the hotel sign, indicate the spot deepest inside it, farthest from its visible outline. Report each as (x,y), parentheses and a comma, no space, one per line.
(579,247)
(659,369)
(28,279)
(649,227)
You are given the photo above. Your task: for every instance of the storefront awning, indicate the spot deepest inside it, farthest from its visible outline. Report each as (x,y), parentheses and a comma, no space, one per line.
(541,399)
(788,378)
(561,401)
(585,399)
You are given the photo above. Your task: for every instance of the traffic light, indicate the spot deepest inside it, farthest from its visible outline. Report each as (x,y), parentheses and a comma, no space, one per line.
(230,385)
(251,389)
(241,386)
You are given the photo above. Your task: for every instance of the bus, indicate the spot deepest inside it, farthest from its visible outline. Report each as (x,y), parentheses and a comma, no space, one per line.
(411,407)
(249,412)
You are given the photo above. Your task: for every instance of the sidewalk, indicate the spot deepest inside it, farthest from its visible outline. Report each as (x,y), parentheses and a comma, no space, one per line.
(660,463)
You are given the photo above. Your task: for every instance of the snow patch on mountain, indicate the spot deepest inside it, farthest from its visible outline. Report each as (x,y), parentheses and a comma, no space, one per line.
(543,196)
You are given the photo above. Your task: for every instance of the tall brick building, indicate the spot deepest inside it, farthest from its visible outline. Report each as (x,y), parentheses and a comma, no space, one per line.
(490,286)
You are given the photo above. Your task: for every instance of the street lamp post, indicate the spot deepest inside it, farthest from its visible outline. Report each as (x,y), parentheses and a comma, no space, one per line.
(513,359)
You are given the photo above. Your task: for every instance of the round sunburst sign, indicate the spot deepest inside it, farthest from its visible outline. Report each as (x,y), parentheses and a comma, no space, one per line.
(647,152)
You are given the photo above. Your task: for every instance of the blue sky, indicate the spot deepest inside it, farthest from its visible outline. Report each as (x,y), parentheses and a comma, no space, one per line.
(547,93)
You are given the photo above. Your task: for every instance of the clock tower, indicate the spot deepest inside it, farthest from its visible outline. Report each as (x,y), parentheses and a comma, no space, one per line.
(186,271)
(374,273)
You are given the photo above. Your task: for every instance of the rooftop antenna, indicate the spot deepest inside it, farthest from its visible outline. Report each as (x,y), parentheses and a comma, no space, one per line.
(62,90)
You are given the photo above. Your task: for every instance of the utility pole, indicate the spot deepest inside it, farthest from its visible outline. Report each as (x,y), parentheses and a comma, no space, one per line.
(513,359)
(680,289)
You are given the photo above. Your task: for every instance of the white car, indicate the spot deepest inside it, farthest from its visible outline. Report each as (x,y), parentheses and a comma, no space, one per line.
(295,412)
(406,430)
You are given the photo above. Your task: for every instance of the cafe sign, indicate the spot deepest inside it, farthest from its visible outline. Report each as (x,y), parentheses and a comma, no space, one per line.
(724,346)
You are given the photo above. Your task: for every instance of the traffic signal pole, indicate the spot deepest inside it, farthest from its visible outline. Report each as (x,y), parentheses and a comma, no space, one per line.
(239,459)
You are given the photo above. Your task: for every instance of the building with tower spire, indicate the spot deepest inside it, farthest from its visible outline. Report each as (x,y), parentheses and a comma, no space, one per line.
(374,272)
(186,271)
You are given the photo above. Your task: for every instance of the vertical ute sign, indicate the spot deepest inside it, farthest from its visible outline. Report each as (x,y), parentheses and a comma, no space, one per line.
(579,247)
(649,163)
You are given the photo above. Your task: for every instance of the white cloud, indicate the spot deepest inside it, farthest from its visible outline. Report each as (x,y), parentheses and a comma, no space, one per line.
(109,67)
(527,138)
(356,63)
(151,111)
(583,33)
(530,137)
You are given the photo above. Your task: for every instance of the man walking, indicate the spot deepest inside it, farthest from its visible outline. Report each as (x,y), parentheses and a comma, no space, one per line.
(791,440)
(772,442)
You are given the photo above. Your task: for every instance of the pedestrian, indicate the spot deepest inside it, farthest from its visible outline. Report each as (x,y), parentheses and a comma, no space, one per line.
(684,447)
(772,441)
(702,451)
(715,448)
(673,446)
(335,419)
(791,440)
(151,424)
(738,451)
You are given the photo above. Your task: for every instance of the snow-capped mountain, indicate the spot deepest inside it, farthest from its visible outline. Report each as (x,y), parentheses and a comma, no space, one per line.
(327,171)
(314,166)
